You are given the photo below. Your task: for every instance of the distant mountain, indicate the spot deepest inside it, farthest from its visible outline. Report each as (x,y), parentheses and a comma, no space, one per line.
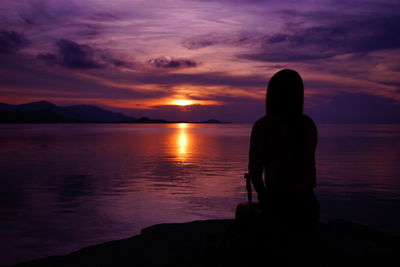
(93,113)
(40,105)
(213,121)
(44,111)
(47,112)
(147,120)
(36,116)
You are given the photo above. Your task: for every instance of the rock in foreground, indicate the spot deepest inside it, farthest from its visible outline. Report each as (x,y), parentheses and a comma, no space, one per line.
(220,243)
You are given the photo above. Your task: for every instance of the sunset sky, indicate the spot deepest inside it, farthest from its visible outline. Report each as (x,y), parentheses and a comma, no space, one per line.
(197,60)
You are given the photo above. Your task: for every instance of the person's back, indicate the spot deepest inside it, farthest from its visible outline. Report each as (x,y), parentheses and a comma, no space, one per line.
(286,150)
(282,148)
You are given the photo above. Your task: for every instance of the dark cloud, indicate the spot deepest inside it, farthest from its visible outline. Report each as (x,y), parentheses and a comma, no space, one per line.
(75,56)
(11,41)
(163,62)
(211,39)
(118,63)
(334,36)
(109,59)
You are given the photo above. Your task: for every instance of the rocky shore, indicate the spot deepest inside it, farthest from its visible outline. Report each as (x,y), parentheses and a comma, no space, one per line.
(223,243)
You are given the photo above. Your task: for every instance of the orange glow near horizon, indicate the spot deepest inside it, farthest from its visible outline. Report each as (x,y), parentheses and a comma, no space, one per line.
(154,103)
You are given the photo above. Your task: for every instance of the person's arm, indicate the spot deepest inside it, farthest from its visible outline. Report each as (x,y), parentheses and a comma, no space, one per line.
(312,133)
(256,165)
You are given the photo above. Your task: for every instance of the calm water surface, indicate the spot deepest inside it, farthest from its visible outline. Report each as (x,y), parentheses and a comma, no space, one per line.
(65,186)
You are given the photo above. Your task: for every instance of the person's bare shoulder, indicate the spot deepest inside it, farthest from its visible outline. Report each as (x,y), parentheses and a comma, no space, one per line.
(260,124)
(312,130)
(258,127)
(309,121)
(260,121)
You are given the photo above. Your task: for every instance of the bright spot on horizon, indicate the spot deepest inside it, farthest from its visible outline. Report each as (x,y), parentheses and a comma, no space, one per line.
(183,102)
(183,125)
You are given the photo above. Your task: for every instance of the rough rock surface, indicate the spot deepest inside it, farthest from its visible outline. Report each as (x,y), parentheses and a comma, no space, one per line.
(223,243)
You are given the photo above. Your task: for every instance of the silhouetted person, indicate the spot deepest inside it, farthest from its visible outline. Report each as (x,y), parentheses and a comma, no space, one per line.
(282,157)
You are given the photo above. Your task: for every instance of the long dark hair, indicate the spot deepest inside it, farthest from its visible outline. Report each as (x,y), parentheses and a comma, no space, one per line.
(285,94)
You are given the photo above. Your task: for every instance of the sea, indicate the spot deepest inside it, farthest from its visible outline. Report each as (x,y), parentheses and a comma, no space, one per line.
(67,186)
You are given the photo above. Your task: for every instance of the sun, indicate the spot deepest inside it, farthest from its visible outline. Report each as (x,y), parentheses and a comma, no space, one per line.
(182,102)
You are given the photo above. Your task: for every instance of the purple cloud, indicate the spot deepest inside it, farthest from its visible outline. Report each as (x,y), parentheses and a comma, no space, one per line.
(332,36)
(163,62)
(11,41)
(75,56)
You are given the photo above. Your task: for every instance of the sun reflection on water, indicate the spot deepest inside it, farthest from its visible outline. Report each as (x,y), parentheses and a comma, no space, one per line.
(182,142)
